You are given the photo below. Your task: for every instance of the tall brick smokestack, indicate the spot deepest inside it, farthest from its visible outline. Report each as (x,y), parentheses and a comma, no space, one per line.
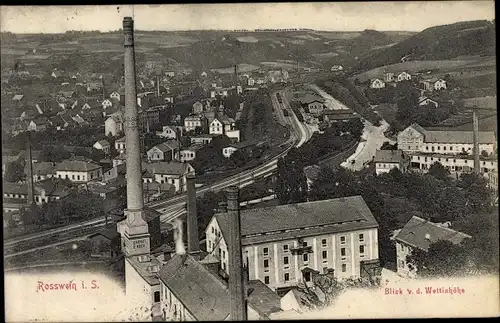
(31,193)
(238,309)
(135,199)
(192,216)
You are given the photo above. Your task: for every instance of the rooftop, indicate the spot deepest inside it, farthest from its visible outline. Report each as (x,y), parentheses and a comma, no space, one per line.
(287,221)
(167,145)
(416,229)
(389,156)
(453,136)
(76,165)
(169,168)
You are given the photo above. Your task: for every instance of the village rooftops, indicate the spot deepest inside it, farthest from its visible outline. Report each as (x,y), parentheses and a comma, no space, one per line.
(244,144)
(454,156)
(290,221)
(194,147)
(167,145)
(76,166)
(41,168)
(122,139)
(454,136)
(309,98)
(205,296)
(207,135)
(389,156)
(420,233)
(147,267)
(168,168)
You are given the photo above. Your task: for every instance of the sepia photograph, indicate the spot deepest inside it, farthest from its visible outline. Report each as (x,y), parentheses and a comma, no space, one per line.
(249,161)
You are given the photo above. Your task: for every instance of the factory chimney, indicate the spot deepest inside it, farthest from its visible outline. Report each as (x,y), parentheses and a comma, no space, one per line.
(158,86)
(136,235)
(31,193)
(238,309)
(192,216)
(475,135)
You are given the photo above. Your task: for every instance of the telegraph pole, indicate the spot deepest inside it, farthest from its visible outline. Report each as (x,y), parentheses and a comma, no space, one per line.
(475,134)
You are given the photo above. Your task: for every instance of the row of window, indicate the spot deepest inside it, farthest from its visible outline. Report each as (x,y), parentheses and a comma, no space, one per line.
(307,276)
(324,254)
(386,165)
(450,148)
(324,243)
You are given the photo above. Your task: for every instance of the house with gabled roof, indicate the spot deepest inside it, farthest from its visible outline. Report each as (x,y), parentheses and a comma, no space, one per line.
(170,132)
(169,172)
(419,233)
(103,145)
(113,124)
(78,171)
(166,151)
(386,160)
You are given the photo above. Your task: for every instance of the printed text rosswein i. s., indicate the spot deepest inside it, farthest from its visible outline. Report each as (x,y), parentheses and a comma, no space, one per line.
(424,291)
(71,285)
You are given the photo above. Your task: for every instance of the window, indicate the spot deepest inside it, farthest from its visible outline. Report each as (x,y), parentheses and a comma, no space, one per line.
(285,248)
(323,243)
(305,257)
(212,229)
(444,148)
(223,254)
(361,249)
(344,268)
(157,297)
(304,244)
(78,177)
(287,277)
(285,260)
(72,176)
(209,244)
(401,263)
(266,251)
(325,254)
(307,277)
(361,237)
(266,263)
(342,240)
(342,252)
(266,280)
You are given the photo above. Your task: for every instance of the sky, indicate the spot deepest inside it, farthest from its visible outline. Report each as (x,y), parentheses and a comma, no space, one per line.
(334,16)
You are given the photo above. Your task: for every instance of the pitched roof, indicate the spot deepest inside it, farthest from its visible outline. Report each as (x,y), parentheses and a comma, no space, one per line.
(122,139)
(320,217)
(169,168)
(42,168)
(458,137)
(245,144)
(203,294)
(388,156)
(168,145)
(103,142)
(415,230)
(263,299)
(309,98)
(18,97)
(76,165)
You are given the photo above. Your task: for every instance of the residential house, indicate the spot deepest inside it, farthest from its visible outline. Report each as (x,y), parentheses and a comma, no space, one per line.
(105,243)
(78,171)
(169,172)
(245,146)
(336,68)
(385,160)
(189,153)
(103,145)
(315,105)
(417,139)
(38,124)
(166,151)
(388,77)
(113,125)
(222,124)
(121,159)
(187,284)
(170,132)
(284,245)
(148,118)
(403,76)
(344,115)
(57,74)
(107,103)
(120,144)
(377,84)
(493,182)
(419,233)
(94,87)
(115,95)
(41,170)
(456,164)
(425,101)
(192,122)
(203,139)
(433,84)
(251,81)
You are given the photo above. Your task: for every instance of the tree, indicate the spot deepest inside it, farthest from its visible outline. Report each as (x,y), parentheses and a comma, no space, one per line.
(238,158)
(291,183)
(475,188)
(439,171)
(14,172)
(54,154)
(442,259)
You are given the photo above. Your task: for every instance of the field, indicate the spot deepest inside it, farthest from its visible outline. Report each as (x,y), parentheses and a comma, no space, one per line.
(444,66)
(279,65)
(242,68)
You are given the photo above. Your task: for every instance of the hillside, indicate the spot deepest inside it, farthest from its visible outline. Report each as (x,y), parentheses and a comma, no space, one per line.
(437,43)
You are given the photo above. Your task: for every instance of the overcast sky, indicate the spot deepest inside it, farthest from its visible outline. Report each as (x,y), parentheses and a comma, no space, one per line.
(384,16)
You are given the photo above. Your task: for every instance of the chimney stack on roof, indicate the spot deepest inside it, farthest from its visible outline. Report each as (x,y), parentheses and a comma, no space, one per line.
(238,307)
(192,216)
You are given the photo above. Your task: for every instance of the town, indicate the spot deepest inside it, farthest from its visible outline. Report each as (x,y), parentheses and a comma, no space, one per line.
(249,192)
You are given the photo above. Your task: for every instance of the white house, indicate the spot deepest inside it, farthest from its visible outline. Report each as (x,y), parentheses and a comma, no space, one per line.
(403,76)
(197,107)
(115,95)
(388,76)
(192,122)
(78,171)
(417,139)
(284,245)
(169,132)
(336,68)
(106,103)
(216,127)
(420,233)
(120,145)
(251,81)
(385,160)
(229,150)
(456,164)
(425,101)
(189,153)
(113,124)
(169,172)
(377,84)
(102,145)
(433,84)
